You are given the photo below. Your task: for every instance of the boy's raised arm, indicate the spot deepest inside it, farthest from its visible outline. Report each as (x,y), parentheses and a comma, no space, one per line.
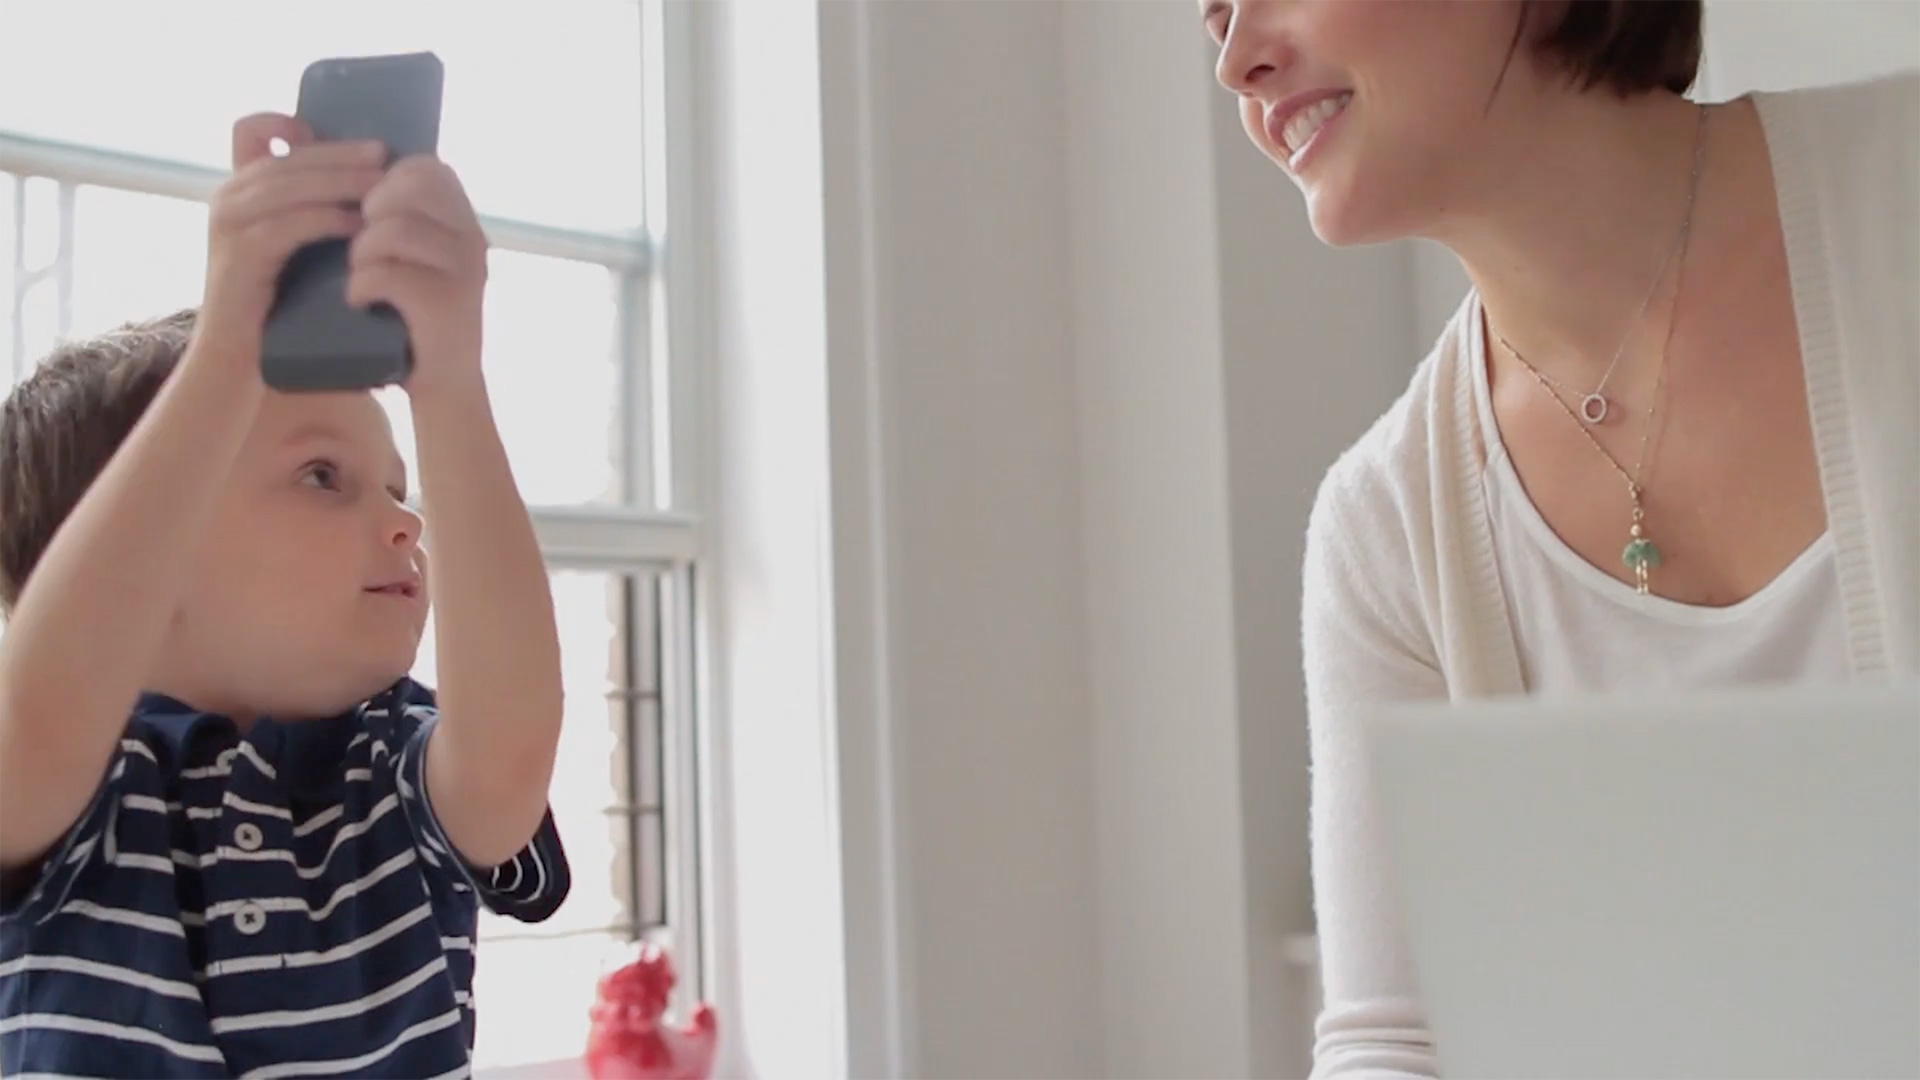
(489,762)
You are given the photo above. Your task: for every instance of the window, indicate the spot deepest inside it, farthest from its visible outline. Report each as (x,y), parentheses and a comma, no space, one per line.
(555,116)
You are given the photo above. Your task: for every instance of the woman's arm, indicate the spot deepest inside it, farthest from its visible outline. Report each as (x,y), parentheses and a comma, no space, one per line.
(1365,644)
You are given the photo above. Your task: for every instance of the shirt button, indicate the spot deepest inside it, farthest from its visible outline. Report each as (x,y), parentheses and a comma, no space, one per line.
(246,836)
(250,919)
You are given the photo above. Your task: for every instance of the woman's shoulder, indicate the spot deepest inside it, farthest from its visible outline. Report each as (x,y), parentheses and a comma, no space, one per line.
(1858,138)
(1863,104)
(1846,162)
(1388,511)
(1388,472)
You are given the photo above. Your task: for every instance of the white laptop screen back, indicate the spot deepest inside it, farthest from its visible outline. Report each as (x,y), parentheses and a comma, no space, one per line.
(1726,886)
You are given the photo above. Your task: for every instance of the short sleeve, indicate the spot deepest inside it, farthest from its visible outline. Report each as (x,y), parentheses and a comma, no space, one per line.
(529,887)
(30,895)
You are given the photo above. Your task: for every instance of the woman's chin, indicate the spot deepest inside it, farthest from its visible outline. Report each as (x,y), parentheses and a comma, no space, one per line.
(1341,218)
(1332,223)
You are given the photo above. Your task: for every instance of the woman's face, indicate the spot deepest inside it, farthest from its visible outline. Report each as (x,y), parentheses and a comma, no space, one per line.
(1376,108)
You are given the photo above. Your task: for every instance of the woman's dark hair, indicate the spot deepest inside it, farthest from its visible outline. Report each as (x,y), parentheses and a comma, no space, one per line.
(1629,46)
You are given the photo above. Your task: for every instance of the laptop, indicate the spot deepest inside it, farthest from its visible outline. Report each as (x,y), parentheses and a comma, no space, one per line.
(1717,886)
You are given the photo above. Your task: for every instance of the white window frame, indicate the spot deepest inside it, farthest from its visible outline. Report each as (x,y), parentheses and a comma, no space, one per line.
(666,442)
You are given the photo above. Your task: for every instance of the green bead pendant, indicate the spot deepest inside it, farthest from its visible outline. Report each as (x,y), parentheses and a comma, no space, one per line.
(1641,553)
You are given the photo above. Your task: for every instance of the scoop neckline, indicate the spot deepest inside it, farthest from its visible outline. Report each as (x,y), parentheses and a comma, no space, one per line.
(1591,577)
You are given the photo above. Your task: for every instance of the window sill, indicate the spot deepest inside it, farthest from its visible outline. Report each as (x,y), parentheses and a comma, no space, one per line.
(570,1069)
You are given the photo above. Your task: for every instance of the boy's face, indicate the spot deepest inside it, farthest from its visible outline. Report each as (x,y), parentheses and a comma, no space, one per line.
(309,595)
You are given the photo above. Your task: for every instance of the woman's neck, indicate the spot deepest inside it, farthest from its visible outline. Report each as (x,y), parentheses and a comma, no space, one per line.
(1572,219)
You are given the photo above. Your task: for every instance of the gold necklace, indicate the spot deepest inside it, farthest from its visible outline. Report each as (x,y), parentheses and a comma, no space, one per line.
(1641,555)
(1595,405)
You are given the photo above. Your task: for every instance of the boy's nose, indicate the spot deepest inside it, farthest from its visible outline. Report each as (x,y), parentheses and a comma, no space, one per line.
(405,529)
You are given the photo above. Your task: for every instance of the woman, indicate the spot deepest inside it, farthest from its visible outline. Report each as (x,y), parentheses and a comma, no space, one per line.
(1669,441)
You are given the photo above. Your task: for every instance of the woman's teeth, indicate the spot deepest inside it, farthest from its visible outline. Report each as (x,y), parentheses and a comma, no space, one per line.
(1304,123)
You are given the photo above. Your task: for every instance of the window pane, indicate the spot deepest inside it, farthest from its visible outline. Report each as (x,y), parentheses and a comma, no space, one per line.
(541,112)
(134,257)
(533,993)
(31,214)
(9,363)
(553,376)
(584,785)
(551,360)
(640,771)
(532,998)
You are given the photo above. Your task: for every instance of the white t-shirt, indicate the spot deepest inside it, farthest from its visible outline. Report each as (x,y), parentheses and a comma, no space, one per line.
(1582,631)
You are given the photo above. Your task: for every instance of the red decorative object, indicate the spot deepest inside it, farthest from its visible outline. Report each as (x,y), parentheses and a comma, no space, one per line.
(630,1039)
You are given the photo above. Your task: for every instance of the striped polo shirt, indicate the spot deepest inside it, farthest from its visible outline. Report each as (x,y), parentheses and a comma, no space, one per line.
(276,904)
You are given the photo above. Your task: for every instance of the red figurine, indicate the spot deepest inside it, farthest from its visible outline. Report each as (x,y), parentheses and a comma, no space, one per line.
(630,1039)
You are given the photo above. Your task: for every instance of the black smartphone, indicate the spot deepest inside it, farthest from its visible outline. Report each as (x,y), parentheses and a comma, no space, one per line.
(314,339)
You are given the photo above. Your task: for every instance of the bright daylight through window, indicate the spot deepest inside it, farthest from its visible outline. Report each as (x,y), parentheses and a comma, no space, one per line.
(108,145)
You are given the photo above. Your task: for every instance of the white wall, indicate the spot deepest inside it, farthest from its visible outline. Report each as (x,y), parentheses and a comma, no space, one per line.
(1082,365)
(1110,363)
(776,894)
(1782,44)
(960,260)
(1157,543)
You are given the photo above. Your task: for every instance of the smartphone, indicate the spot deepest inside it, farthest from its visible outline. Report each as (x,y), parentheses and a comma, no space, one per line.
(314,339)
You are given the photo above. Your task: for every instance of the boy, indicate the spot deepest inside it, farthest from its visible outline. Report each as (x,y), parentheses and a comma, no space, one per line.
(271,867)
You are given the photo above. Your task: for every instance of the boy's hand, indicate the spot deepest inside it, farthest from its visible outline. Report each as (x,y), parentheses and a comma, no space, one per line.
(270,208)
(422,251)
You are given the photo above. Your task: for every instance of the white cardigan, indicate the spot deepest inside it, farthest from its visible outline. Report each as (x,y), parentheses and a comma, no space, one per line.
(1402,596)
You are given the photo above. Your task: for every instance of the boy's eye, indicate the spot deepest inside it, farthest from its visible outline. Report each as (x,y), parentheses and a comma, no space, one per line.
(323,475)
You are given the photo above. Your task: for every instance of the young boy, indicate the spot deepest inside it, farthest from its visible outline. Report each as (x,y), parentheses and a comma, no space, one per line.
(273,866)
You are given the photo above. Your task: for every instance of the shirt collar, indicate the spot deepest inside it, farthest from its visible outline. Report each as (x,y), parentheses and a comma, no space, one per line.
(177,723)
(306,754)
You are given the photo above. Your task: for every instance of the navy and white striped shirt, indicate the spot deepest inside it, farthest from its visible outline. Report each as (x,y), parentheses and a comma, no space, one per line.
(278,904)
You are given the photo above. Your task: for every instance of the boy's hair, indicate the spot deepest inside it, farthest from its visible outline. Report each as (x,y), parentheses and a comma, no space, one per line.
(1629,46)
(62,424)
